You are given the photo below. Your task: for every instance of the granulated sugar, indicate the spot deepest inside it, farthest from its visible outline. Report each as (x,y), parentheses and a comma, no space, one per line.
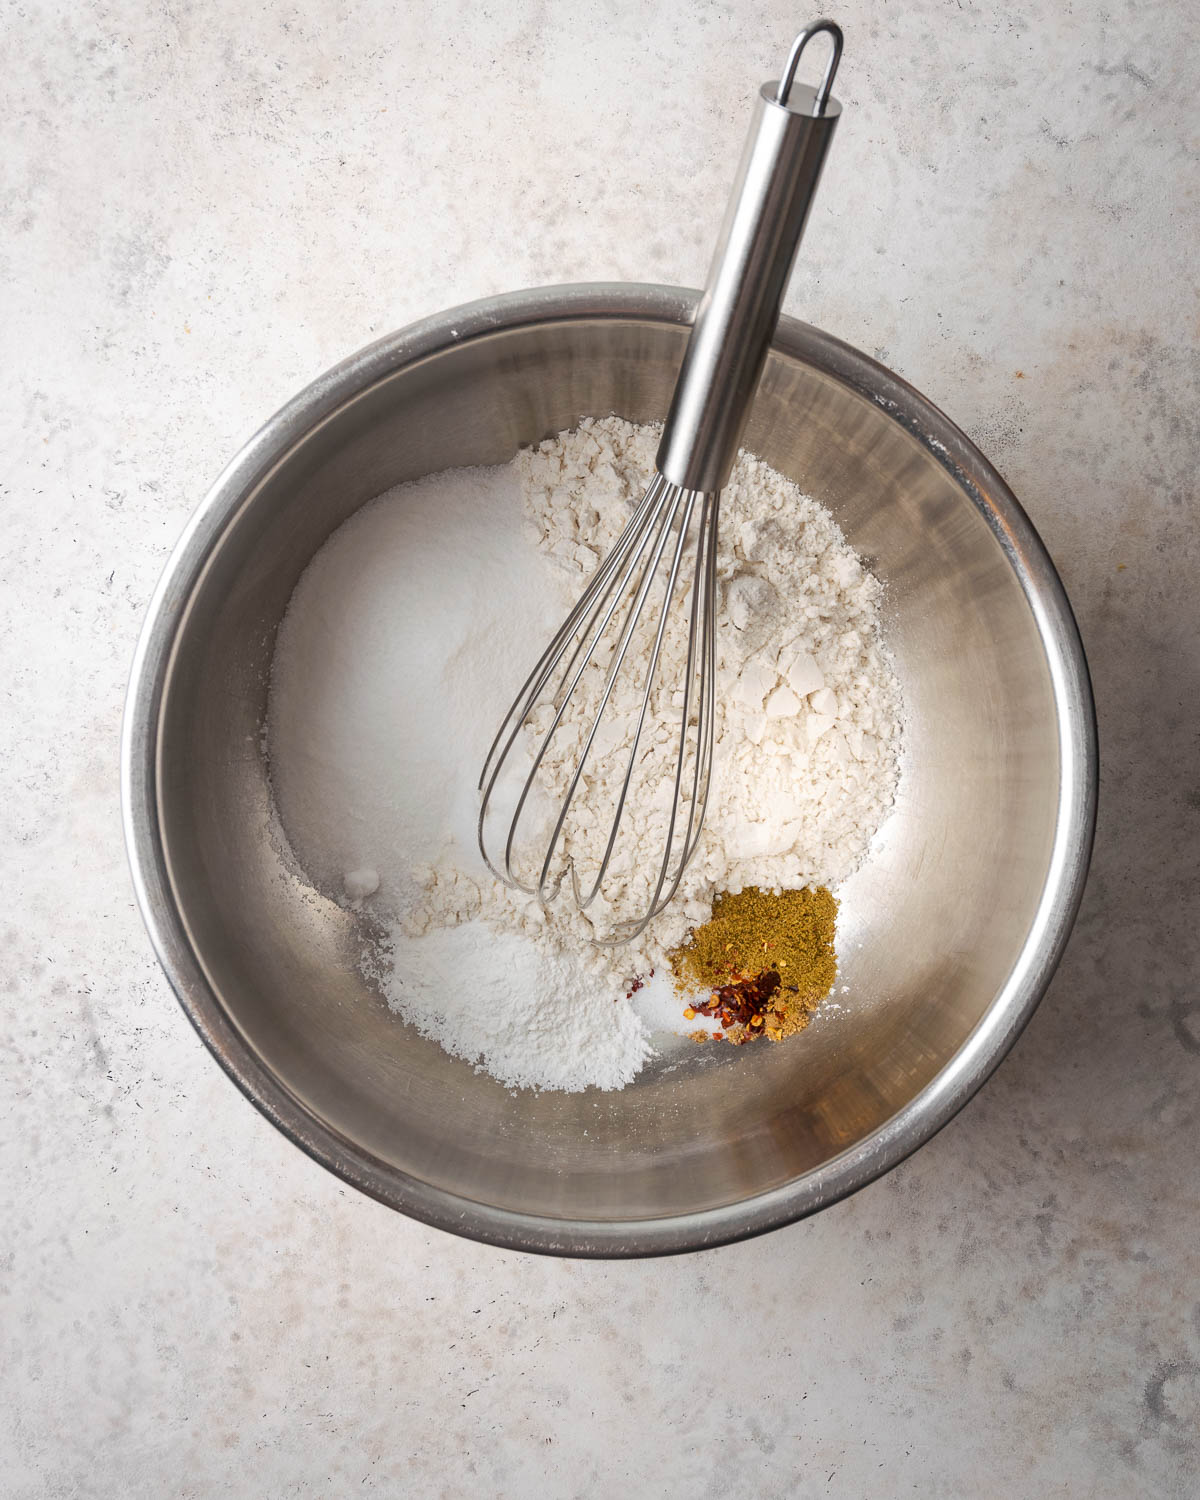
(393,666)
(401,649)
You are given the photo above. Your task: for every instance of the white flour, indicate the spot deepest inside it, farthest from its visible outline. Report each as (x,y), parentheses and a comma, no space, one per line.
(400,651)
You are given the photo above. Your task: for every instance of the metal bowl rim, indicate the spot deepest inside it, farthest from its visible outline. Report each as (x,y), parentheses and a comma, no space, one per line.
(841,1175)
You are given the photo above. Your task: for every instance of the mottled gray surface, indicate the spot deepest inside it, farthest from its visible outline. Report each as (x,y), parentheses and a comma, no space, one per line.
(203,206)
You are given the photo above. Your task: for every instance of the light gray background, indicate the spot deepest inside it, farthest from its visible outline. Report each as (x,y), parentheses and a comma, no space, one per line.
(204,206)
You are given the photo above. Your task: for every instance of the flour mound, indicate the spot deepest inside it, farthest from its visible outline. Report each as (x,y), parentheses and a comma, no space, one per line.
(808,707)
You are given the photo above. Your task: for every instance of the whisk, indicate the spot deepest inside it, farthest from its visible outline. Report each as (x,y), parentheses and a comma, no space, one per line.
(662,570)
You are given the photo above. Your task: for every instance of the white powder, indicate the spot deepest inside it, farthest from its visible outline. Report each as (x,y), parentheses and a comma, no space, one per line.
(393,666)
(808,707)
(401,649)
(532,1016)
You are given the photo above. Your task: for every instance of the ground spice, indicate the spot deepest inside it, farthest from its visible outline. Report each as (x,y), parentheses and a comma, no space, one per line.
(767,959)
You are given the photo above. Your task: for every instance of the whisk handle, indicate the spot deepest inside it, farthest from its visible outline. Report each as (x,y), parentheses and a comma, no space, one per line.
(736,317)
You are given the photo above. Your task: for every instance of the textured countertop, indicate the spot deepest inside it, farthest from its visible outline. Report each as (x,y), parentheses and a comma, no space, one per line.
(203,207)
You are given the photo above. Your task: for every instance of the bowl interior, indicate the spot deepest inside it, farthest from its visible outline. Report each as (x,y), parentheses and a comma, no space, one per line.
(931,928)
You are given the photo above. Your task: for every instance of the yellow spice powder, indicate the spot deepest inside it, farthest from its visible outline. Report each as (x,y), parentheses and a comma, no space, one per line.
(754,933)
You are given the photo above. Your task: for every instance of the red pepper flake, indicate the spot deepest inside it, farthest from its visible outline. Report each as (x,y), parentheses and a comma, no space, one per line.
(742,1002)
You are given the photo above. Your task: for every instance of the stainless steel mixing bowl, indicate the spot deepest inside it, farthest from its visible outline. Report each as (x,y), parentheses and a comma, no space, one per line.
(948,936)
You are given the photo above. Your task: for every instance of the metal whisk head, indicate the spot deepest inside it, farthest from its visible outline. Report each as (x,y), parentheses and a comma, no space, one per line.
(668,554)
(626,727)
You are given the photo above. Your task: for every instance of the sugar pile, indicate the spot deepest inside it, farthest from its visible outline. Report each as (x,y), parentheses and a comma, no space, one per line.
(394,664)
(401,648)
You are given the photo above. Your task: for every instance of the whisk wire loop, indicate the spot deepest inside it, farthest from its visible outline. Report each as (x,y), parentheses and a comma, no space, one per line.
(651,553)
(603,584)
(662,520)
(685,500)
(702,628)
